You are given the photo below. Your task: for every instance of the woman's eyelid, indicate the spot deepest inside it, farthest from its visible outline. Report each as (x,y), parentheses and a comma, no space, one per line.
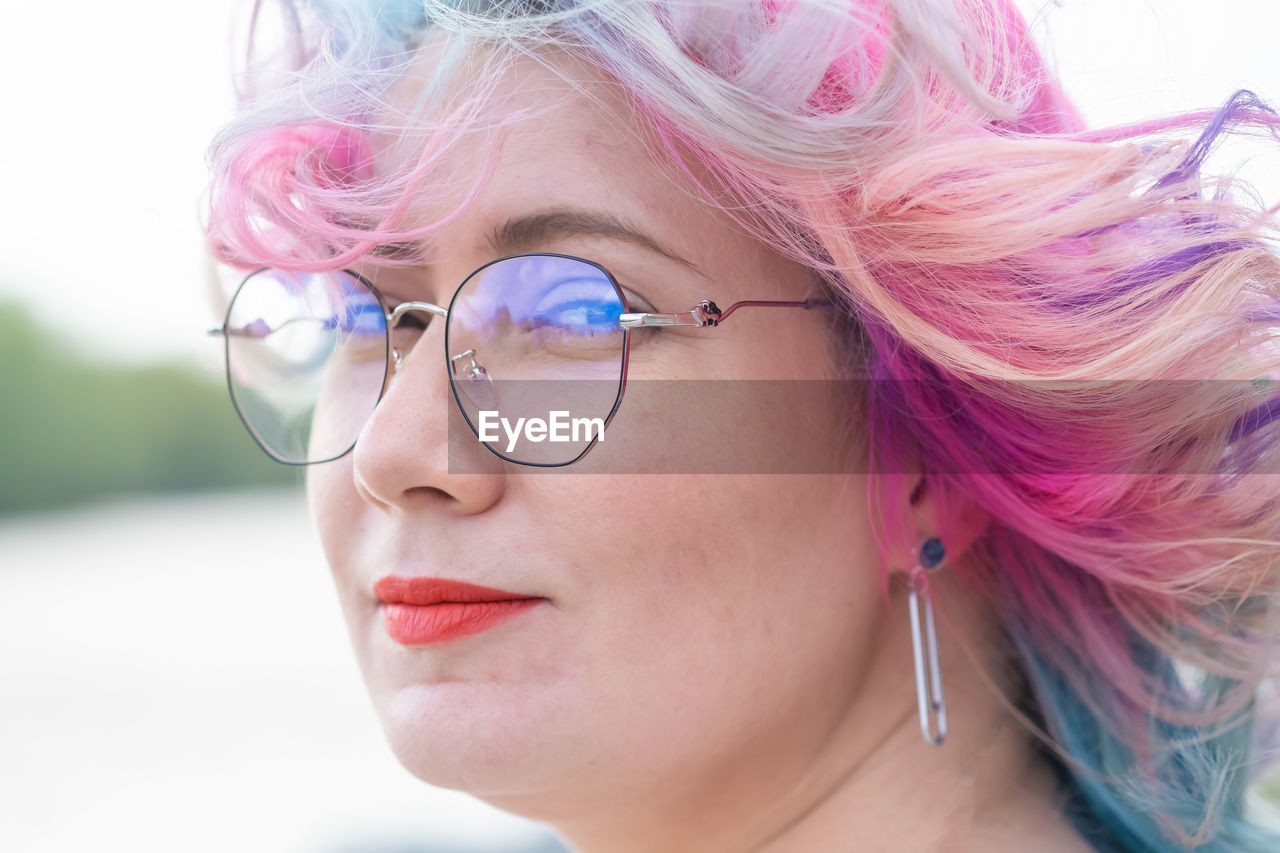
(634,299)
(636,302)
(591,289)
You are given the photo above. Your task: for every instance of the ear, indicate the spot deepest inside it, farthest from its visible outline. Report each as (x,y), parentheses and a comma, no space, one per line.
(938,509)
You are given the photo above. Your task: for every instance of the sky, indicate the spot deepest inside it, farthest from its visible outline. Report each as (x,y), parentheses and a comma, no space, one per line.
(107,117)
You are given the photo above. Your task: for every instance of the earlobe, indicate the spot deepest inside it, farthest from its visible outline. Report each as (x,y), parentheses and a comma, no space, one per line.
(938,510)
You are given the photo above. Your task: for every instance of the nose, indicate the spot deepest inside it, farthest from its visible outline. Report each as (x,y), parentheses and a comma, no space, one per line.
(416,450)
(403,310)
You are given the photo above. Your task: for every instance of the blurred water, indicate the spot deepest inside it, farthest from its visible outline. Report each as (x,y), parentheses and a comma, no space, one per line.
(150,699)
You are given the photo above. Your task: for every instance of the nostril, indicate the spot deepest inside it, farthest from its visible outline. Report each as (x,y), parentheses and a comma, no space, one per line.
(433,493)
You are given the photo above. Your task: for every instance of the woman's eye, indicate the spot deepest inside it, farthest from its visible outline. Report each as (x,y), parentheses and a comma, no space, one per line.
(412,320)
(583,306)
(583,316)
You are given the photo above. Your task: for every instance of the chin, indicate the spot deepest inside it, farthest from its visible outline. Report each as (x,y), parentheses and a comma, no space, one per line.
(482,738)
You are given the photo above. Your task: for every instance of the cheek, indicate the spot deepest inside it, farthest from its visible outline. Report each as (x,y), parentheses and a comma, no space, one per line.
(326,495)
(713,609)
(743,401)
(336,512)
(696,572)
(728,426)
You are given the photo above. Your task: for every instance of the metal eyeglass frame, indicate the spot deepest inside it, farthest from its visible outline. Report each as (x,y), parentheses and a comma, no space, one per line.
(704,314)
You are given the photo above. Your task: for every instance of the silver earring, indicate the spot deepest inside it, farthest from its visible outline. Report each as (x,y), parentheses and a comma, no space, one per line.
(933,708)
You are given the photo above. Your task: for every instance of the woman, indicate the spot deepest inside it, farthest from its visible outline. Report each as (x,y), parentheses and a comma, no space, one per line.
(999,367)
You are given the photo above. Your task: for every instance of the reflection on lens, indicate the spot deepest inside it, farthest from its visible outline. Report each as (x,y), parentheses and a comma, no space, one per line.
(306,358)
(545,329)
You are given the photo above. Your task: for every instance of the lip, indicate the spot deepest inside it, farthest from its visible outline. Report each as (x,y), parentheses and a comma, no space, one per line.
(420,611)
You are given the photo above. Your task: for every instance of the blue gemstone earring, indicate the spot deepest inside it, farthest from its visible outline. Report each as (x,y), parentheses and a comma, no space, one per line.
(933,707)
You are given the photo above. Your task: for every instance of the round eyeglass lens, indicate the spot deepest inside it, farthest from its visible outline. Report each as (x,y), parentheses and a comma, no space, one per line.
(536,354)
(306,361)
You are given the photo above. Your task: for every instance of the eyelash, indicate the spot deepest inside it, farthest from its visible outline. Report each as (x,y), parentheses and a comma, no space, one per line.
(637,302)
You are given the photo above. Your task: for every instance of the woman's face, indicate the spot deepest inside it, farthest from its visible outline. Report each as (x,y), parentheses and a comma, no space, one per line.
(694,628)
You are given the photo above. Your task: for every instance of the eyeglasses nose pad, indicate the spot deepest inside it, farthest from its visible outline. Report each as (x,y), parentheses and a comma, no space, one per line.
(472,380)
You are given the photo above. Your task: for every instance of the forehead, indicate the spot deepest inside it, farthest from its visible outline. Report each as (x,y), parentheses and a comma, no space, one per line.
(543,132)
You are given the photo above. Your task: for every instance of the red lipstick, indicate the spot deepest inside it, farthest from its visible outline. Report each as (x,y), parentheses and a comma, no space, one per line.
(418,611)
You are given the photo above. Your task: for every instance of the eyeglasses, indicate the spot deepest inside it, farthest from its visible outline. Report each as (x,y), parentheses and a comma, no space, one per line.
(310,354)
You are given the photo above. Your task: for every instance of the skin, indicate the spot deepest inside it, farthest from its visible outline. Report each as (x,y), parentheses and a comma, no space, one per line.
(715,669)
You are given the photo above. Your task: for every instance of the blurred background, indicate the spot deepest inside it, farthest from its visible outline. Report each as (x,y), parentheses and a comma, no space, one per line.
(147,700)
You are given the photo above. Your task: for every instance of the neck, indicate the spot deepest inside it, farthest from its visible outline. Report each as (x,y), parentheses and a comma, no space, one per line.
(865,781)
(889,790)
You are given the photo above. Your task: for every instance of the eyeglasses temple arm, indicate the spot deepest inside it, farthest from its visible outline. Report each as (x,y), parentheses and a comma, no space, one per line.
(259,328)
(707,313)
(804,303)
(256,329)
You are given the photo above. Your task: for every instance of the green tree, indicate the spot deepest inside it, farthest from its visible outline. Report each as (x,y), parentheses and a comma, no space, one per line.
(72,430)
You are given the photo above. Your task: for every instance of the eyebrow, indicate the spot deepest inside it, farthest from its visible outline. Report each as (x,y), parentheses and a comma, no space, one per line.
(534,231)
